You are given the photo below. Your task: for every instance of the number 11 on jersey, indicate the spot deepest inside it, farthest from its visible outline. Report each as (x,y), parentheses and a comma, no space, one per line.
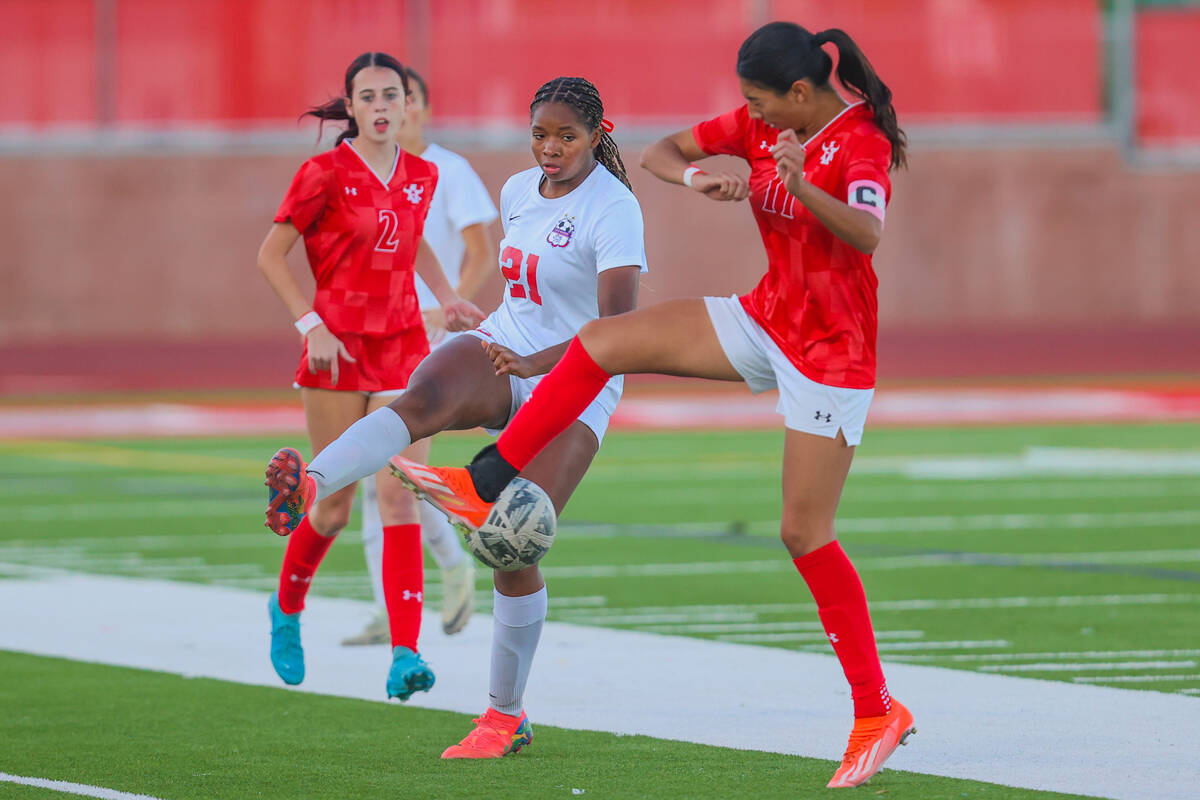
(520,270)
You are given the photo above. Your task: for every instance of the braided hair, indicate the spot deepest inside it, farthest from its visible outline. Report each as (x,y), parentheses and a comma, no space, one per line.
(581,95)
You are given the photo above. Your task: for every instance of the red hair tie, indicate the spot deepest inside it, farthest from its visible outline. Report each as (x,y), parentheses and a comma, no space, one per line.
(608,126)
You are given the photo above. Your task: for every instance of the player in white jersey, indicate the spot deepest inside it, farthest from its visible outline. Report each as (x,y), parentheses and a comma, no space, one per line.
(456,229)
(572,251)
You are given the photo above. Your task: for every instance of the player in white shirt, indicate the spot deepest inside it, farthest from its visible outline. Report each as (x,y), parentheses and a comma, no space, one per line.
(572,251)
(456,229)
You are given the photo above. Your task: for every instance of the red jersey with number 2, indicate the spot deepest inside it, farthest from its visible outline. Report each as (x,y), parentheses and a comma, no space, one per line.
(361,232)
(817,300)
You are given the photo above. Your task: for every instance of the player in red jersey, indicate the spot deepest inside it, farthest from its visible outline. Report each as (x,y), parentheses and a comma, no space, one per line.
(818,188)
(360,208)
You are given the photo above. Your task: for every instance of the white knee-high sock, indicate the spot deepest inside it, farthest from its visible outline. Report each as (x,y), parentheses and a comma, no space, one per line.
(440,537)
(516,628)
(362,449)
(372,537)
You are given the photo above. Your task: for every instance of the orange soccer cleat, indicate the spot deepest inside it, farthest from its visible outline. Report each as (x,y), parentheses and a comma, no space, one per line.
(871,742)
(495,735)
(449,489)
(290,491)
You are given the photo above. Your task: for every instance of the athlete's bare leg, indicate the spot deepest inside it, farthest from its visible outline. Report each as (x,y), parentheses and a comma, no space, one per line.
(672,338)
(328,413)
(455,388)
(814,472)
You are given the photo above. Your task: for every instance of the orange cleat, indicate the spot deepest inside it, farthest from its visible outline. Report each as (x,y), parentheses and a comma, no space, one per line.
(495,735)
(449,489)
(290,491)
(871,742)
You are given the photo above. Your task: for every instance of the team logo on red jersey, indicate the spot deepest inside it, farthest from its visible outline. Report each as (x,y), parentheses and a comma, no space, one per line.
(413,192)
(827,152)
(563,230)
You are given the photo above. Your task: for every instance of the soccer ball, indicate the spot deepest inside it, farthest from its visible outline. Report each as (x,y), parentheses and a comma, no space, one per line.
(518,531)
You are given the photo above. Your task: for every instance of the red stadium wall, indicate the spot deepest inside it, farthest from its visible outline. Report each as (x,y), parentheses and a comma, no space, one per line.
(242,62)
(1166,62)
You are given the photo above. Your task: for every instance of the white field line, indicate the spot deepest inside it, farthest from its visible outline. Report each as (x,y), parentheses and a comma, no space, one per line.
(965,644)
(1136,678)
(598,617)
(812,636)
(1067,666)
(665,570)
(222,541)
(1067,601)
(1028,559)
(702,613)
(733,627)
(1069,489)
(1005,729)
(1190,691)
(1077,520)
(1059,655)
(73,788)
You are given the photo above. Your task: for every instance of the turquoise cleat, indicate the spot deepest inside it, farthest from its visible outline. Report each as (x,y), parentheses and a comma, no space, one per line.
(409,674)
(287,654)
(290,491)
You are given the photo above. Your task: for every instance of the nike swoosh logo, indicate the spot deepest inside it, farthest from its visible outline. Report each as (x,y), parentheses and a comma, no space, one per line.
(515,216)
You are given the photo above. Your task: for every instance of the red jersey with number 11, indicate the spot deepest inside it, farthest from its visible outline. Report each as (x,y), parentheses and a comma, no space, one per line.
(817,300)
(361,232)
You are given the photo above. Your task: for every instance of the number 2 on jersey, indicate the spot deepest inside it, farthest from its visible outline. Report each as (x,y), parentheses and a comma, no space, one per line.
(389,233)
(512,263)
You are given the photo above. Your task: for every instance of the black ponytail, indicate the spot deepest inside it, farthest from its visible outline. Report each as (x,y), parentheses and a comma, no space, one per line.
(335,109)
(581,95)
(780,53)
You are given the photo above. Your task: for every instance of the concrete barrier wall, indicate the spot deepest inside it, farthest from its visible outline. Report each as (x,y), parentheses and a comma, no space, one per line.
(164,247)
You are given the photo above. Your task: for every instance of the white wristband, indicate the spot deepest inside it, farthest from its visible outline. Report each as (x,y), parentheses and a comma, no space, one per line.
(690,173)
(308,322)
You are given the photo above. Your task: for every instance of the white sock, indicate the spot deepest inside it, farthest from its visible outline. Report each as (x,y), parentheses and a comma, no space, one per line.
(516,628)
(362,449)
(440,537)
(372,536)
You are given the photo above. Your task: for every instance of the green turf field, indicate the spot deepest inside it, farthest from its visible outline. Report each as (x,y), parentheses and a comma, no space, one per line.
(1058,553)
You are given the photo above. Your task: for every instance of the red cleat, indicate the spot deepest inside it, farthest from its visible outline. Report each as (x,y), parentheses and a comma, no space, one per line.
(871,742)
(495,735)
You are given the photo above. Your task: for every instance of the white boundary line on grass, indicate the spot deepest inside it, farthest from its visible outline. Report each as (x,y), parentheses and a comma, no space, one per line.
(1009,730)
(74,788)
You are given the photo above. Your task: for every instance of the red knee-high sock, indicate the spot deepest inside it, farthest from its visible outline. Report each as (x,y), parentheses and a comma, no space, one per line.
(403,583)
(556,402)
(305,549)
(842,606)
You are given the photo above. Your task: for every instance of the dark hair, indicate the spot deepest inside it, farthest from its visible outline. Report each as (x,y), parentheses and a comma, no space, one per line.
(780,53)
(336,108)
(581,95)
(412,75)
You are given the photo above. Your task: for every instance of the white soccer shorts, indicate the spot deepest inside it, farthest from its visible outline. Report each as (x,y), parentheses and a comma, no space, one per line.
(806,405)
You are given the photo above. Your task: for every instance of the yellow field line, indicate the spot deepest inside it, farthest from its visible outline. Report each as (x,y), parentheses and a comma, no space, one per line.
(186,462)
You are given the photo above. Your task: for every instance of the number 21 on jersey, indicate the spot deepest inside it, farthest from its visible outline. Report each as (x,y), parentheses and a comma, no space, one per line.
(520,270)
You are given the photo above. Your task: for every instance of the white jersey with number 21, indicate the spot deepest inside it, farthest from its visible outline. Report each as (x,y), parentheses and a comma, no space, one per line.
(553,252)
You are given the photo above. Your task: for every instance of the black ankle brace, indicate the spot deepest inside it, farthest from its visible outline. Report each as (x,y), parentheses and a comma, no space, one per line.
(490,473)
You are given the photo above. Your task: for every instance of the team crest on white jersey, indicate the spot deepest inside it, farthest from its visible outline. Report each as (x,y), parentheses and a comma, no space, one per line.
(563,230)
(413,192)
(827,151)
